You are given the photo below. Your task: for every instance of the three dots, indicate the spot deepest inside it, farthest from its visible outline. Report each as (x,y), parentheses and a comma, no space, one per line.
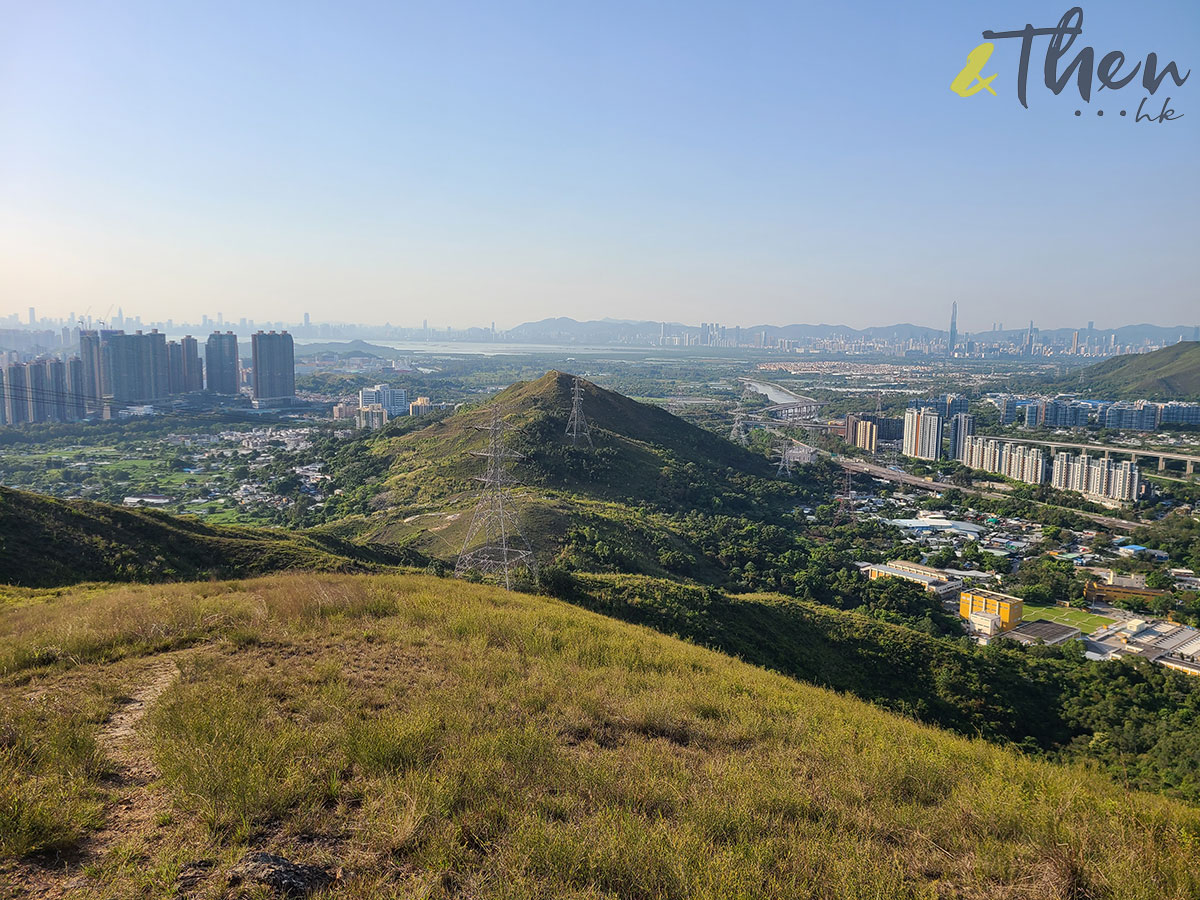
(1099,112)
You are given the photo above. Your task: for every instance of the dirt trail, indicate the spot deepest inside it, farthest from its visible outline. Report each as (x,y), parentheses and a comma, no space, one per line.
(134,806)
(119,738)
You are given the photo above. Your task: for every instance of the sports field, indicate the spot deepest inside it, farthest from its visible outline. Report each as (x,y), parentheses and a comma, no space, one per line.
(1076,618)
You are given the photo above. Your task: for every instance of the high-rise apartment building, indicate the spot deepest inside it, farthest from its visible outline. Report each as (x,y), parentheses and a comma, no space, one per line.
(1007,405)
(76,387)
(1015,461)
(922,433)
(90,366)
(866,436)
(136,365)
(1096,477)
(1138,416)
(57,407)
(175,367)
(221,362)
(962,426)
(183,366)
(16,394)
(274,368)
(193,371)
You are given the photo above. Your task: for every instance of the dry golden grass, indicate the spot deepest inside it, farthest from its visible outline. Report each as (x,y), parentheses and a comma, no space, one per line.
(436,738)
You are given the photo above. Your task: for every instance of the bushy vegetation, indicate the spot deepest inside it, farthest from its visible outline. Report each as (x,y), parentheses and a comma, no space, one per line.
(442,739)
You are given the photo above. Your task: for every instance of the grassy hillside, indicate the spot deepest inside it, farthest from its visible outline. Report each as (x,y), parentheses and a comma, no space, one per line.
(45,542)
(1140,722)
(642,454)
(422,737)
(1172,373)
(629,495)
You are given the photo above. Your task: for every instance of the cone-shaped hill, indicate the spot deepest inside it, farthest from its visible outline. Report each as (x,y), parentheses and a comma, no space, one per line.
(641,454)
(628,502)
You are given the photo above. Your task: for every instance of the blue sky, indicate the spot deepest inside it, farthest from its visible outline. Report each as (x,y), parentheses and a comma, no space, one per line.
(469,162)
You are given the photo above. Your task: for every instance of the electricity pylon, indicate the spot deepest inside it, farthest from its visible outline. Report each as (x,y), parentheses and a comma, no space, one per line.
(784,452)
(843,514)
(495,544)
(577,425)
(737,433)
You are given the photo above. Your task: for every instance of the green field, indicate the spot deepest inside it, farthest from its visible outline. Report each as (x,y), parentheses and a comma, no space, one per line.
(1076,618)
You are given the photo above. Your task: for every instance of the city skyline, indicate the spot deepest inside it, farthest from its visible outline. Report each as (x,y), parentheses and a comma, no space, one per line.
(116,317)
(510,165)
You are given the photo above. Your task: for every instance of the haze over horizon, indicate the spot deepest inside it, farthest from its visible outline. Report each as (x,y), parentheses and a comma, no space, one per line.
(690,162)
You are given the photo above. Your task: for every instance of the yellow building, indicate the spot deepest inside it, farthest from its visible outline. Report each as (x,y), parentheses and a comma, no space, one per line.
(866,436)
(1008,608)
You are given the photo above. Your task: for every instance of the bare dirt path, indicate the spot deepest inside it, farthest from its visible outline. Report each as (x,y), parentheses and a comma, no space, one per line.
(134,804)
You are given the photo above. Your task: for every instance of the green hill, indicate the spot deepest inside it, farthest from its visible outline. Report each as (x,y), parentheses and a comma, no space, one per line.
(1172,373)
(629,503)
(642,453)
(410,736)
(45,542)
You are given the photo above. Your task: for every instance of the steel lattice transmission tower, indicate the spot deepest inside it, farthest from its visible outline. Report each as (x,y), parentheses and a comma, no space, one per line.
(784,452)
(495,544)
(577,425)
(737,433)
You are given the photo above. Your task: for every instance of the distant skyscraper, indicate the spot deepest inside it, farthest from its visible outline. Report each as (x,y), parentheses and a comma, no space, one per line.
(953,328)
(32,316)
(221,362)
(274,367)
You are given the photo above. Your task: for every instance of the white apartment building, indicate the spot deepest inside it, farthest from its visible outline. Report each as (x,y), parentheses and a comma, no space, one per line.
(394,400)
(922,433)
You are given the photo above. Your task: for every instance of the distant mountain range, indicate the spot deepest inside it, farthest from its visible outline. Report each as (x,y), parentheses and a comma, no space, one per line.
(564,329)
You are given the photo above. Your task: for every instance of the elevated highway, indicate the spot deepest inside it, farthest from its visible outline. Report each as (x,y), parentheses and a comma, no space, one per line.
(857,465)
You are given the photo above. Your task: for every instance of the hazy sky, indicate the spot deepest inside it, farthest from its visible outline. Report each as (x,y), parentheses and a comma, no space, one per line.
(475,161)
